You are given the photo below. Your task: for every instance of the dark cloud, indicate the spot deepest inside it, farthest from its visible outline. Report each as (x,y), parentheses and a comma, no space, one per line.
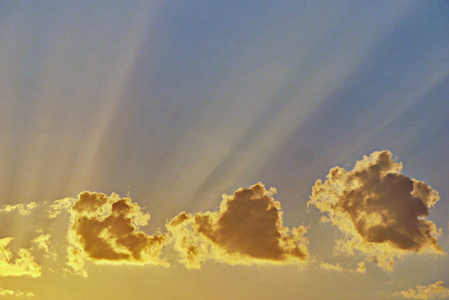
(105,229)
(248,228)
(380,211)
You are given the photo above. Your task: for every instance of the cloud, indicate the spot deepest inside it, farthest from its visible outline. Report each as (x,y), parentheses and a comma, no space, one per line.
(22,265)
(43,243)
(435,290)
(18,293)
(22,209)
(105,229)
(328,266)
(247,229)
(361,268)
(58,206)
(379,211)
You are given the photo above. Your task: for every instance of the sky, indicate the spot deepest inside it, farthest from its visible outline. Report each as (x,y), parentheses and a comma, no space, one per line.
(224,149)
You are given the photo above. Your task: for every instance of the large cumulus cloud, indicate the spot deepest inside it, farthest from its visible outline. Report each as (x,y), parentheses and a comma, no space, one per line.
(379,211)
(247,229)
(105,229)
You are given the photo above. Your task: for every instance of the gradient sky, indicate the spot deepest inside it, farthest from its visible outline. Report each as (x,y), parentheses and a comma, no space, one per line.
(175,103)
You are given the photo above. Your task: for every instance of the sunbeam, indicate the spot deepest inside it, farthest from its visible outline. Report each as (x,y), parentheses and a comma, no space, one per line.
(224,149)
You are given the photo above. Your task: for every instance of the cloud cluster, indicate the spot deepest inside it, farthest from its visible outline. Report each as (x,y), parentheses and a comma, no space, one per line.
(22,264)
(379,211)
(105,229)
(247,229)
(435,290)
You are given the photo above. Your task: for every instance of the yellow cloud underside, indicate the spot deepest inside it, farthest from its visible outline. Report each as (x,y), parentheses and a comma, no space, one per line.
(22,265)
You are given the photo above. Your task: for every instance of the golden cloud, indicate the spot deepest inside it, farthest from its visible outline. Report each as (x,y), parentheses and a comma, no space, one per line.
(435,290)
(247,229)
(379,211)
(22,209)
(361,268)
(17,293)
(105,229)
(58,206)
(43,243)
(22,265)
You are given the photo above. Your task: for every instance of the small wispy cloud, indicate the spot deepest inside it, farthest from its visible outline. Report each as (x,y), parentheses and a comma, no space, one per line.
(17,293)
(361,267)
(22,209)
(42,242)
(58,206)
(431,291)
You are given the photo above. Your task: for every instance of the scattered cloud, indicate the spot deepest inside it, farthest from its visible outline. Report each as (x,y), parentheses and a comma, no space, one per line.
(43,243)
(58,206)
(328,266)
(431,291)
(247,229)
(361,268)
(22,264)
(17,293)
(22,209)
(379,211)
(105,229)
